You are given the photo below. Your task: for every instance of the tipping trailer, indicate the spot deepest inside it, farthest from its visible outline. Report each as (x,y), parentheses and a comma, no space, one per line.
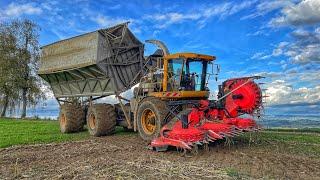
(170,106)
(92,66)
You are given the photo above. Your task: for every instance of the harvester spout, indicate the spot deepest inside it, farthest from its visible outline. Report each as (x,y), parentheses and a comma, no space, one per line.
(160,45)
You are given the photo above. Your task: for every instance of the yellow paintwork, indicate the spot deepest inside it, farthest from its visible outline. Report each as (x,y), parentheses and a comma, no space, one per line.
(181,94)
(190,55)
(165,74)
(180,55)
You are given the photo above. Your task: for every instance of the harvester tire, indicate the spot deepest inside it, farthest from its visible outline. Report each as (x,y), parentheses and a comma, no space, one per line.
(101,119)
(156,110)
(71,118)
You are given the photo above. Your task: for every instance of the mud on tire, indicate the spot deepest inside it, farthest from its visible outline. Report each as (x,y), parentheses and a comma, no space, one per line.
(101,119)
(158,107)
(71,118)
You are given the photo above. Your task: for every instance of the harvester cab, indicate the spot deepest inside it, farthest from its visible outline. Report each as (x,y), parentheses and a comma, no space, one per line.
(185,75)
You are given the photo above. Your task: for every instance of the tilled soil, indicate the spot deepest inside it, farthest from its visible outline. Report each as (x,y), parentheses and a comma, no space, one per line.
(127,156)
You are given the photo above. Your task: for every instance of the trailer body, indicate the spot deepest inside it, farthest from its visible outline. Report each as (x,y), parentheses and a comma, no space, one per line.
(103,62)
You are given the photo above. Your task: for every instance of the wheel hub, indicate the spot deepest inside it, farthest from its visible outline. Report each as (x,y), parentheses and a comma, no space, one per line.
(63,120)
(148,121)
(92,121)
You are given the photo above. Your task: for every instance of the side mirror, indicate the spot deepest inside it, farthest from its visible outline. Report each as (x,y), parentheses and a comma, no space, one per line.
(210,69)
(218,68)
(217,71)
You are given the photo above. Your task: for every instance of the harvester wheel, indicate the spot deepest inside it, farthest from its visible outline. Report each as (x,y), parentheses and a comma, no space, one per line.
(101,119)
(71,118)
(150,118)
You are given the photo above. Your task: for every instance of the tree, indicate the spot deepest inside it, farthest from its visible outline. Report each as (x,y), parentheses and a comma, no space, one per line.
(9,76)
(27,36)
(25,64)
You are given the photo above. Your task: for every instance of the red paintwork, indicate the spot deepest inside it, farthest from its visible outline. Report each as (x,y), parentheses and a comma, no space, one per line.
(191,134)
(178,137)
(242,123)
(208,124)
(249,102)
(217,127)
(195,116)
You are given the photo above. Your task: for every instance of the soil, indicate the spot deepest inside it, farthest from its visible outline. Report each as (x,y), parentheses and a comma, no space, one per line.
(127,157)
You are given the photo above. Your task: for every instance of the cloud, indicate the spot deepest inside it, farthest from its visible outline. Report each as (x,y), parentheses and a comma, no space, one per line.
(16,10)
(201,16)
(306,12)
(282,92)
(257,55)
(279,50)
(309,53)
(260,55)
(258,33)
(105,21)
(266,7)
(223,11)
(115,7)
(171,18)
(305,47)
(269,74)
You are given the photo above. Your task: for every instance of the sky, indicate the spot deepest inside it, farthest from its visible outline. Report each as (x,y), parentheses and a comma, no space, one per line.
(277,39)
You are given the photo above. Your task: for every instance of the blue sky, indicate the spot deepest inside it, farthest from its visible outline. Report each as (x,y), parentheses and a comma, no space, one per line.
(277,39)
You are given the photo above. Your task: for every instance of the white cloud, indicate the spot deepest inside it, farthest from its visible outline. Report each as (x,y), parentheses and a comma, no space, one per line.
(257,55)
(16,10)
(281,92)
(280,48)
(218,10)
(115,7)
(171,18)
(201,16)
(309,53)
(307,12)
(269,74)
(239,7)
(304,49)
(258,33)
(260,55)
(105,21)
(266,7)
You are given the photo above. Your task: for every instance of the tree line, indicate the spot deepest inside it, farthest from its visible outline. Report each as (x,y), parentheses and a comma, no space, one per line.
(20,86)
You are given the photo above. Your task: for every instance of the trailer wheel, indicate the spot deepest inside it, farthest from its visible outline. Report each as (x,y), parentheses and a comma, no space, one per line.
(71,118)
(101,119)
(150,118)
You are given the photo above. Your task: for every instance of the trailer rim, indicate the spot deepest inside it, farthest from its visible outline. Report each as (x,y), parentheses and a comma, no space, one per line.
(63,120)
(92,121)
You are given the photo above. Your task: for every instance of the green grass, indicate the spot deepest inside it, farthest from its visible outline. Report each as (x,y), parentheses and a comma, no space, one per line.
(306,130)
(31,131)
(15,131)
(302,142)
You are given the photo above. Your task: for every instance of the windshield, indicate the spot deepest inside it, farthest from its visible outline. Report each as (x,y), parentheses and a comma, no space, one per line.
(187,74)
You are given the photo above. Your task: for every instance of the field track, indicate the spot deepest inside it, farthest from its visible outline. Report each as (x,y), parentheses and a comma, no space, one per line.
(126,156)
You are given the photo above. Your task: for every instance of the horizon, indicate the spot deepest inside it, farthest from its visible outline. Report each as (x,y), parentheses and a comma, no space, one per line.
(276,39)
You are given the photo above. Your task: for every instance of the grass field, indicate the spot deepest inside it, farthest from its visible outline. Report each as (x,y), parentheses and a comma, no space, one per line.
(15,132)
